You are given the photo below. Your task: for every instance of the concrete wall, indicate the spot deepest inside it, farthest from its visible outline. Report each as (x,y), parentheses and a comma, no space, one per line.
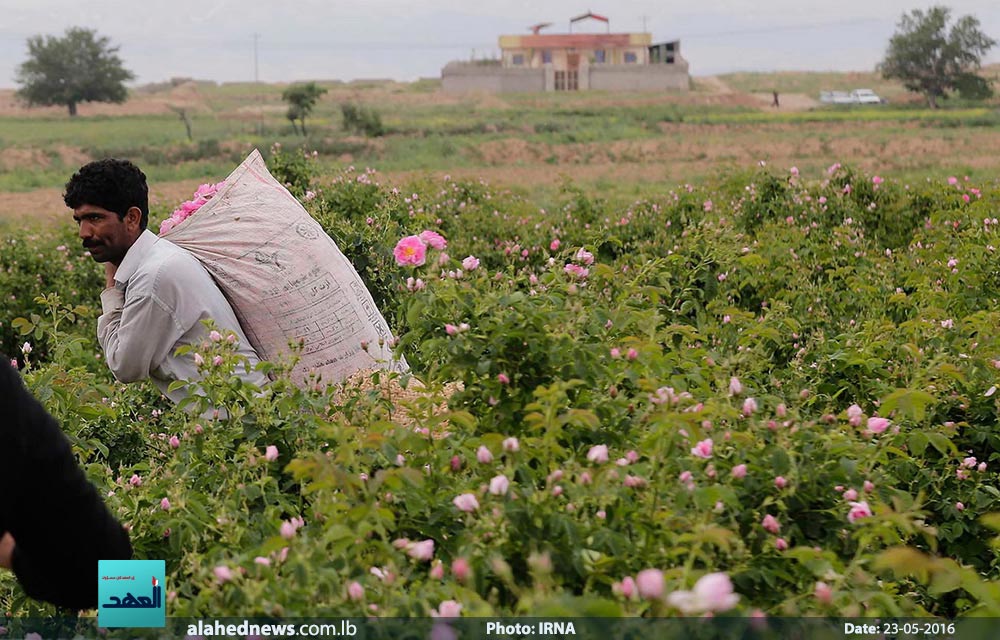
(652,77)
(459,77)
(470,78)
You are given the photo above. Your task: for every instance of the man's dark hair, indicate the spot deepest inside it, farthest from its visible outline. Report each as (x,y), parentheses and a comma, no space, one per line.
(115,185)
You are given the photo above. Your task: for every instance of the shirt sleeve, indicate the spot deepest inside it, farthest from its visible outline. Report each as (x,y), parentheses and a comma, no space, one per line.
(136,332)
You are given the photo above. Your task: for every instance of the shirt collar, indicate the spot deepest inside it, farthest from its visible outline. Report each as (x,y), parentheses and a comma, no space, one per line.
(134,257)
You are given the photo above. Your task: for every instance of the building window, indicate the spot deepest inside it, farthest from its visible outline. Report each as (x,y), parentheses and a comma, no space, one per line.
(630,57)
(546,57)
(518,59)
(599,56)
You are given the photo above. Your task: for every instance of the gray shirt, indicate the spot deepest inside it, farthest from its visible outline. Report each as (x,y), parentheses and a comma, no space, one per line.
(161,295)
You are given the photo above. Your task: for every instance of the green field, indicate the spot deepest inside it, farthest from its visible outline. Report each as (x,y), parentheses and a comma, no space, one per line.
(625,145)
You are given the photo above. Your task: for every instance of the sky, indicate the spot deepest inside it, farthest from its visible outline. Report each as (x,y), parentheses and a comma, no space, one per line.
(410,39)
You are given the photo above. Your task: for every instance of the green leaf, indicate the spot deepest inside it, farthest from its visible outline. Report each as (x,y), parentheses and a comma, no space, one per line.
(942,443)
(991,520)
(917,442)
(911,403)
(23,325)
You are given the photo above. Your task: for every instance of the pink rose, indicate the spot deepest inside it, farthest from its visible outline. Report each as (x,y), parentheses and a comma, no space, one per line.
(780,482)
(735,386)
(460,569)
(499,485)
(598,453)
(628,587)
(466,502)
(437,571)
(823,592)
(165,504)
(355,591)
(650,584)
(271,453)
(222,573)
(470,263)
(433,239)
(423,550)
(739,471)
(713,592)
(858,510)
(483,455)
(771,524)
(447,609)
(878,425)
(703,449)
(410,251)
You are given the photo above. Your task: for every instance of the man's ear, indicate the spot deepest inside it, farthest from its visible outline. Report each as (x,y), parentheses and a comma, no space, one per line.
(133,218)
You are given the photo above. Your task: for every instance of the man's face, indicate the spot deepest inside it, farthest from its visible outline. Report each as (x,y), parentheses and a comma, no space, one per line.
(104,234)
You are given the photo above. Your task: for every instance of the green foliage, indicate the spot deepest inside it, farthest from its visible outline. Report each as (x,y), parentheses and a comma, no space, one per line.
(78,67)
(295,169)
(301,99)
(932,60)
(362,120)
(780,316)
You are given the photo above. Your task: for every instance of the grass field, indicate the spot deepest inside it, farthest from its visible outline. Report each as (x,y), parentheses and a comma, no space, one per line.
(623,144)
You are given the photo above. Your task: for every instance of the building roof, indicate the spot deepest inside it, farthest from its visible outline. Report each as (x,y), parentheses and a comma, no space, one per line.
(575,40)
(589,14)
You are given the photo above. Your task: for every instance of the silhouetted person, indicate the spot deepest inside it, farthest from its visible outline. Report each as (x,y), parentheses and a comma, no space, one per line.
(53,525)
(774,103)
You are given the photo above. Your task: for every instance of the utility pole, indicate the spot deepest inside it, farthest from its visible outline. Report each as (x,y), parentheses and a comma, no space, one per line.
(256,84)
(644,18)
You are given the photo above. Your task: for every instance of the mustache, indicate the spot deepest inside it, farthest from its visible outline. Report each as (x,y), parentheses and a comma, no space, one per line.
(91,245)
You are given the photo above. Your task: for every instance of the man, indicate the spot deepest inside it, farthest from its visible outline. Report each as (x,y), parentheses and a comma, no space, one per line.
(157,293)
(53,526)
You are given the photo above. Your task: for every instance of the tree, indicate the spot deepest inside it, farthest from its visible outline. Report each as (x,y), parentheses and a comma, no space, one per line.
(79,67)
(930,60)
(301,99)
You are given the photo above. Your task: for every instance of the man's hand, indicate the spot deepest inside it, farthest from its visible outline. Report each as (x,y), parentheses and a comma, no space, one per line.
(6,551)
(109,275)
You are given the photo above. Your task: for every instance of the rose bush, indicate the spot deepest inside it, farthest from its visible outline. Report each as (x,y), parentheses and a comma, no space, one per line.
(773,394)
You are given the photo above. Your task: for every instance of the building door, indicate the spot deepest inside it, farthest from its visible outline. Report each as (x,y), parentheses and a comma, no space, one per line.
(572,71)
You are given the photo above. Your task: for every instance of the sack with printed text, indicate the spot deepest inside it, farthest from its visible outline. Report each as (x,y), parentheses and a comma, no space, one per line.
(285,278)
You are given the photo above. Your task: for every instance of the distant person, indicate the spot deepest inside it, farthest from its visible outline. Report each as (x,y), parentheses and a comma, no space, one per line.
(774,103)
(53,525)
(156,294)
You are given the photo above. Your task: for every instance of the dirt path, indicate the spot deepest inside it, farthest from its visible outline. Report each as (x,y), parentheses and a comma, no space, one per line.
(45,205)
(713,84)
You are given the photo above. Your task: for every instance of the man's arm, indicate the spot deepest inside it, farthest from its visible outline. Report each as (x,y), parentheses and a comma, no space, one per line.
(6,550)
(58,527)
(137,332)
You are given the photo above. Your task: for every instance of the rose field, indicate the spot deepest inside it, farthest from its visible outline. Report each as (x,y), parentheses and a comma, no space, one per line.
(770,393)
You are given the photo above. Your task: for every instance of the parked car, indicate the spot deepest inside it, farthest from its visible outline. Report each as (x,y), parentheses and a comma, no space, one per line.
(865,96)
(858,96)
(836,97)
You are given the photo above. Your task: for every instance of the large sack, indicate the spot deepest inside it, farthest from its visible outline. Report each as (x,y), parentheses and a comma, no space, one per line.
(285,278)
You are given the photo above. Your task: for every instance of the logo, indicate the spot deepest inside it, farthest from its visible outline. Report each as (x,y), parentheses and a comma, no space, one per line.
(130,593)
